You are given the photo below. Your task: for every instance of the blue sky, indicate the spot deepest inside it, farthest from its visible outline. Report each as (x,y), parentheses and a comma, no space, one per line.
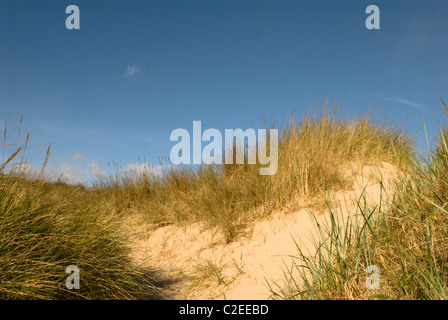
(136,70)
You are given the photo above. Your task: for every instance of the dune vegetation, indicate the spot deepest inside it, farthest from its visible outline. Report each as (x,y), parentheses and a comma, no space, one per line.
(405,236)
(46,226)
(311,153)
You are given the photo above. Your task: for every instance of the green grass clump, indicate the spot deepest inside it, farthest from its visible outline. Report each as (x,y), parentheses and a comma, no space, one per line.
(46,227)
(41,235)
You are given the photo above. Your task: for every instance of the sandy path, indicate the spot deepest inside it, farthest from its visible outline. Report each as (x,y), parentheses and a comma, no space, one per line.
(197,264)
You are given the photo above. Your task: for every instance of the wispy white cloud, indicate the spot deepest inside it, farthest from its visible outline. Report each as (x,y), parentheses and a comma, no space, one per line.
(96,171)
(413,104)
(78,157)
(140,168)
(77,172)
(131,71)
(66,172)
(129,169)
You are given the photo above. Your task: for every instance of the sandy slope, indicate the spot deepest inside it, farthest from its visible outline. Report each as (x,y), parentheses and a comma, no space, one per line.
(196,263)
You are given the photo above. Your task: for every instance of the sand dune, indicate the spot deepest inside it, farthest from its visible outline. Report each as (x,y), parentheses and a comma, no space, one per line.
(196,263)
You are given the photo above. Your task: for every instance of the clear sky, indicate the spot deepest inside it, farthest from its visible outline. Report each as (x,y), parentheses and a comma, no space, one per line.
(136,70)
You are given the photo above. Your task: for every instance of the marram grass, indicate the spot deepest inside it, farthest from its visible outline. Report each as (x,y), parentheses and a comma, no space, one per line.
(44,227)
(405,236)
(312,152)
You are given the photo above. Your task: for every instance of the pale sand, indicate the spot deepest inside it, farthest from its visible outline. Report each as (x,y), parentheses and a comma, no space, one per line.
(245,264)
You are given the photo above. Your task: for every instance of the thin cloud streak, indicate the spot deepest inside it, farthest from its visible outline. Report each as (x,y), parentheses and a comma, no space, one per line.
(413,104)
